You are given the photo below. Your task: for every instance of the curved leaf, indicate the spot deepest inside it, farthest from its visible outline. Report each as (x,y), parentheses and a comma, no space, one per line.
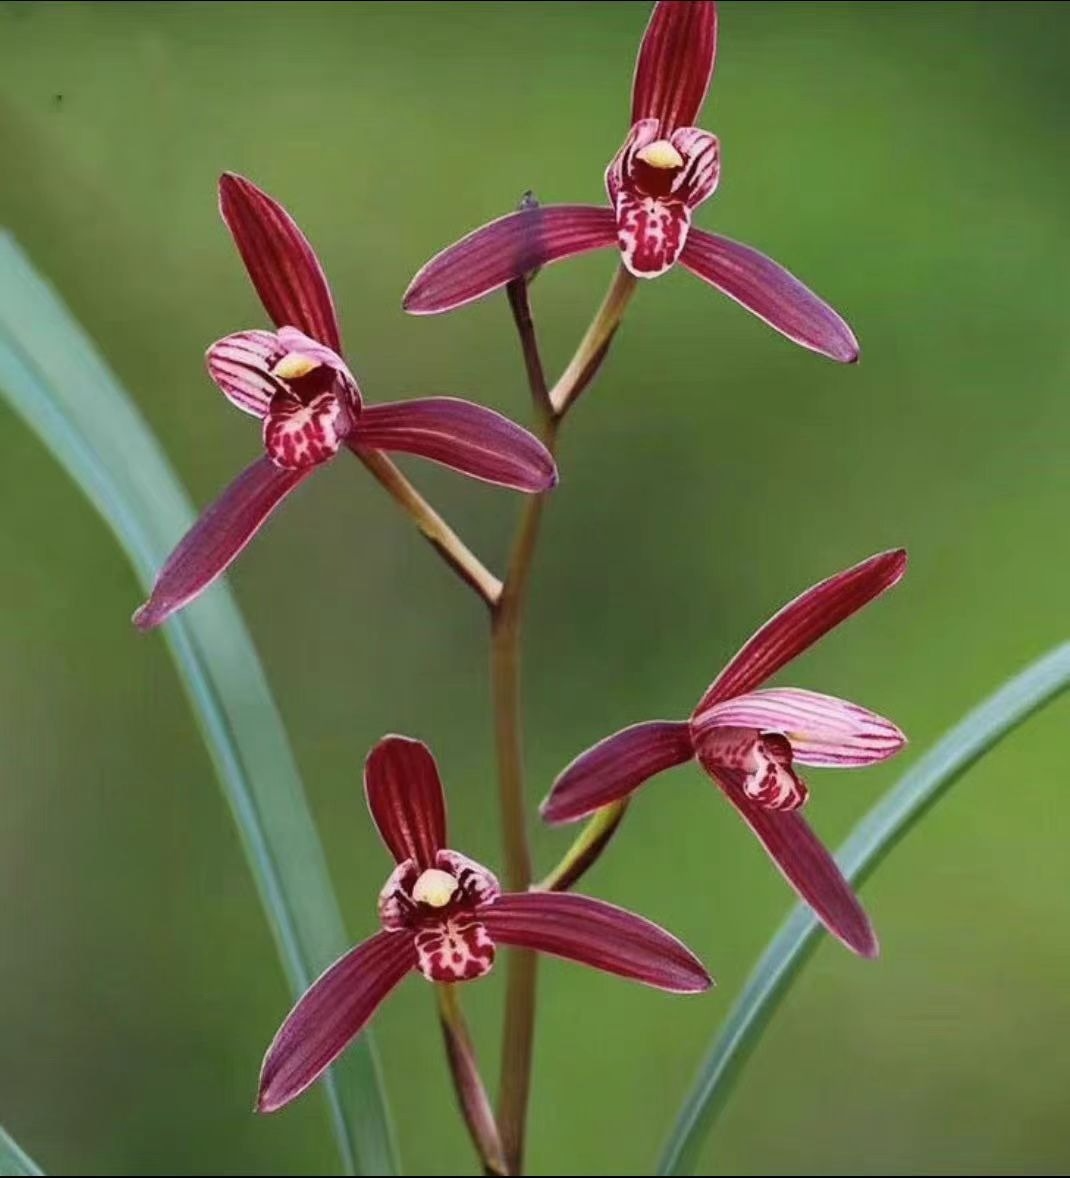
(12,1159)
(53,377)
(878,832)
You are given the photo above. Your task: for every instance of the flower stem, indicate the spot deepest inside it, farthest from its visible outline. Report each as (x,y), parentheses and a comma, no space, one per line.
(506,626)
(519,1025)
(471,1092)
(585,850)
(520,304)
(589,355)
(433,527)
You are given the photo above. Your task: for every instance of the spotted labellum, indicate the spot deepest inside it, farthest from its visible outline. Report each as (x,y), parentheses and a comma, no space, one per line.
(665,170)
(749,742)
(295,381)
(443,915)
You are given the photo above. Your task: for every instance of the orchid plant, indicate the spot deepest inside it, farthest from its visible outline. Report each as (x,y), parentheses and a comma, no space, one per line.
(441,914)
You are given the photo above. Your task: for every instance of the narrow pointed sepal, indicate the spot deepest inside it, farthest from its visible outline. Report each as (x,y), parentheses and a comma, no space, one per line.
(495,254)
(216,539)
(281,263)
(616,766)
(596,934)
(802,622)
(675,63)
(406,799)
(805,864)
(772,293)
(466,437)
(330,1014)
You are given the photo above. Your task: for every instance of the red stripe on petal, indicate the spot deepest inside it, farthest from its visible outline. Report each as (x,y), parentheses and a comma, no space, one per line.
(805,864)
(220,534)
(772,293)
(461,435)
(675,63)
(241,364)
(330,1014)
(822,729)
(496,253)
(596,934)
(406,800)
(615,767)
(281,263)
(802,622)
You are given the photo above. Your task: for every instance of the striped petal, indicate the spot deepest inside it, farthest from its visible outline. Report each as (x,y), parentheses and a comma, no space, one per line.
(769,291)
(461,435)
(330,1014)
(805,864)
(220,534)
(241,364)
(802,622)
(675,63)
(282,265)
(822,729)
(596,934)
(496,253)
(405,797)
(615,767)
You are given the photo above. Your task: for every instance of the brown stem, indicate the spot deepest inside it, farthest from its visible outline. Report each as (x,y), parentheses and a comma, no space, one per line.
(519,1024)
(520,304)
(467,1081)
(433,527)
(506,623)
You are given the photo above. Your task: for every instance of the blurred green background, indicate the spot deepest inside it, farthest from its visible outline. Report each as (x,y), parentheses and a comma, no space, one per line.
(907,160)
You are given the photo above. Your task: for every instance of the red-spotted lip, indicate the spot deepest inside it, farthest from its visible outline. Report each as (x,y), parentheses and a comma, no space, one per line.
(450,935)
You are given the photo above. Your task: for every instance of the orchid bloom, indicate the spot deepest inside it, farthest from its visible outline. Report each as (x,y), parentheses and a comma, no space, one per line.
(442,915)
(296,382)
(664,171)
(750,740)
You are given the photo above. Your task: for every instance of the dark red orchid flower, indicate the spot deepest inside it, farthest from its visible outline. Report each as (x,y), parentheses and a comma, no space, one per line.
(443,914)
(295,381)
(664,171)
(749,741)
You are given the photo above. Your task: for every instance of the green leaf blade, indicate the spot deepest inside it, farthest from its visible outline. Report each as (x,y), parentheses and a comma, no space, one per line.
(878,832)
(52,376)
(14,1160)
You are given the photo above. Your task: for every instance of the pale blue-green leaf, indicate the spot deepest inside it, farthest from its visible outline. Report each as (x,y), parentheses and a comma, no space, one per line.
(56,381)
(13,1160)
(900,808)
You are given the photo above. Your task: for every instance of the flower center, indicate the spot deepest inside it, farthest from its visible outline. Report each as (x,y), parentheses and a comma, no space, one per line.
(435,888)
(294,365)
(660,154)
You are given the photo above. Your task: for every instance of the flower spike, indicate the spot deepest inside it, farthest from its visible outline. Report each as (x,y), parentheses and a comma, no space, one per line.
(749,740)
(442,915)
